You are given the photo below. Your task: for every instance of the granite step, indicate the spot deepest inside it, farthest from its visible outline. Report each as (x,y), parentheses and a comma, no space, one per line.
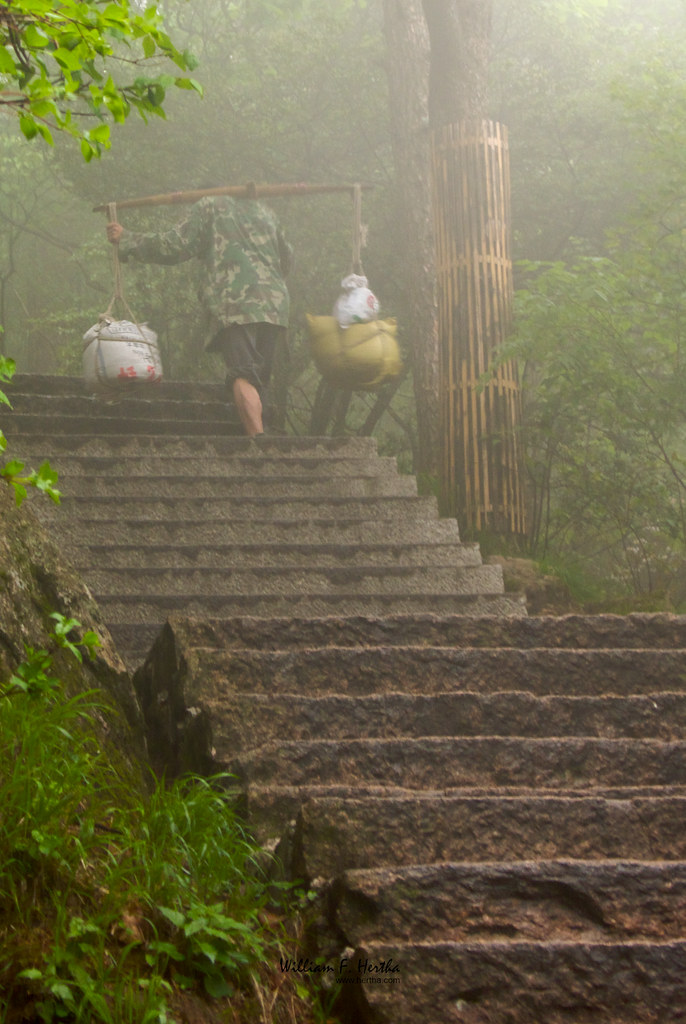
(578,632)
(160,406)
(256,487)
(482,762)
(147,532)
(297,580)
(137,422)
(537,901)
(424,670)
(156,608)
(336,834)
(270,554)
(90,444)
(272,716)
(50,385)
(273,812)
(482,982)
(249,508)
(74,467)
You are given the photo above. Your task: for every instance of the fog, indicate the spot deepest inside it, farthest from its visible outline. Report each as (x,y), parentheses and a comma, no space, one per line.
(591,92)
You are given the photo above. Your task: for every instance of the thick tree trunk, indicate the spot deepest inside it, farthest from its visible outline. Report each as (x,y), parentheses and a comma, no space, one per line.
(460,34)
(439,53)
(408,73)
(480,407)
(480,466)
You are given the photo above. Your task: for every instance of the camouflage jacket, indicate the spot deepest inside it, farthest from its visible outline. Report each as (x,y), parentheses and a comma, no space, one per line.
(244,254)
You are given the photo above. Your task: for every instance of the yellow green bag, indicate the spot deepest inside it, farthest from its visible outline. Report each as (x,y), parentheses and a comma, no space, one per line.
(361,357)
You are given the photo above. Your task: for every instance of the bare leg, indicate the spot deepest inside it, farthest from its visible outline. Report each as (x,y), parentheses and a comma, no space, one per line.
(249,406)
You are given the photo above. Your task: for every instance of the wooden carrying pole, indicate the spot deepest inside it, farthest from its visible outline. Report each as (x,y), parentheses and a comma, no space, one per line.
(250,191)
(481,473)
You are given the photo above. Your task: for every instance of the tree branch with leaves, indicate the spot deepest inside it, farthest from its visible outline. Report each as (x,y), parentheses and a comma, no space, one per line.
(71,64)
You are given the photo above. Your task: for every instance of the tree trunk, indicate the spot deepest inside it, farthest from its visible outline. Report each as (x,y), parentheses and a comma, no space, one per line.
(481,473)
(460,34)
(439,52)
(408,74)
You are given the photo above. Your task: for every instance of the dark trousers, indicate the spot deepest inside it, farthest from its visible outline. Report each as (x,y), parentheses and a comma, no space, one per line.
(248,351)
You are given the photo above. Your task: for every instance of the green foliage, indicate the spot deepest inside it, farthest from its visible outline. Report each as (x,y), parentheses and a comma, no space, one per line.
(44,478)
(55,63)
(604,381)
(111,900)
(558,72)
(63,627)
(600,340)
(7,367)
(598,165)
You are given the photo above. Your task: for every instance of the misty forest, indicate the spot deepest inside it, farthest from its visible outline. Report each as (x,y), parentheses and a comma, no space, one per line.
(593,95)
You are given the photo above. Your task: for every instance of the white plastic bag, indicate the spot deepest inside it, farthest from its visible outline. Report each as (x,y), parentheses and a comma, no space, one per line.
(356,304)
(119,352)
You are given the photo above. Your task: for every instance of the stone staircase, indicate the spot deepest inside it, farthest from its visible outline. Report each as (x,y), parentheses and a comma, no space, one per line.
(492,811)
(490,806)
(166,509)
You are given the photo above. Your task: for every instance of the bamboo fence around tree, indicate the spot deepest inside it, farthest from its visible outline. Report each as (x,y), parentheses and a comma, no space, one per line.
(480,405)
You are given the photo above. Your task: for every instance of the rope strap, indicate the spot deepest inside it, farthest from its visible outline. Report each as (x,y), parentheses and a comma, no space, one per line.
(359,231)
(118,295)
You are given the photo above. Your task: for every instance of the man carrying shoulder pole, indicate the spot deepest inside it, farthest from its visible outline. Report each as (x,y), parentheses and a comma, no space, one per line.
(245,260)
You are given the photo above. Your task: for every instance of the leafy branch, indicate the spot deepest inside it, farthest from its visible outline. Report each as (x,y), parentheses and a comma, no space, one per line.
(44,478)
(54,66)
(32,676)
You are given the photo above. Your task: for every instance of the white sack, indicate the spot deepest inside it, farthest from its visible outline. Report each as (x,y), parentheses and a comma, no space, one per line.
(119,352)
(356,304)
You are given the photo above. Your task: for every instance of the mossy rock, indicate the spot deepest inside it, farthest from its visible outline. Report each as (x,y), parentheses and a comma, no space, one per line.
(37,579)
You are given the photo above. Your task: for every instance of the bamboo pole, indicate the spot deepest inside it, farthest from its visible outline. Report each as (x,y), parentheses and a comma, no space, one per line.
(250,191)
(481,475)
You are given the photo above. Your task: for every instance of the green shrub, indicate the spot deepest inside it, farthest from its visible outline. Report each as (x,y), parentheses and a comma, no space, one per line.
(111,899)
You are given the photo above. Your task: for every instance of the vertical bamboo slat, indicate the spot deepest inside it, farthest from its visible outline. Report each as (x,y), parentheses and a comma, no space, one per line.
(480,411)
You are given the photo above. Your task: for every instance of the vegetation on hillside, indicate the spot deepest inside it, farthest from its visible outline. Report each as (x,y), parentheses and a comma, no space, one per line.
(119,904)
(600,343)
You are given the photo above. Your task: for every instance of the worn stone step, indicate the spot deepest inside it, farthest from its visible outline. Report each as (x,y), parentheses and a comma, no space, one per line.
(271,811)
(250,508)
(518,983)
(297,580)
(239,718)
(336,834)
(350,670)
(253,486)
(154,609)
(258,530)
(230,465)
(37,384)
(226,556)
(566,763)
(43,443)
(136,422)
(602,901)
(148,404)
(580,632)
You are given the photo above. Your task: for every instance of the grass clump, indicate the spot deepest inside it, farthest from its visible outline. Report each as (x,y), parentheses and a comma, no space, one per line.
(117,905)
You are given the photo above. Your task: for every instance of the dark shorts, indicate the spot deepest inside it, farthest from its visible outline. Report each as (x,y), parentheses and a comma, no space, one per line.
(248,351)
